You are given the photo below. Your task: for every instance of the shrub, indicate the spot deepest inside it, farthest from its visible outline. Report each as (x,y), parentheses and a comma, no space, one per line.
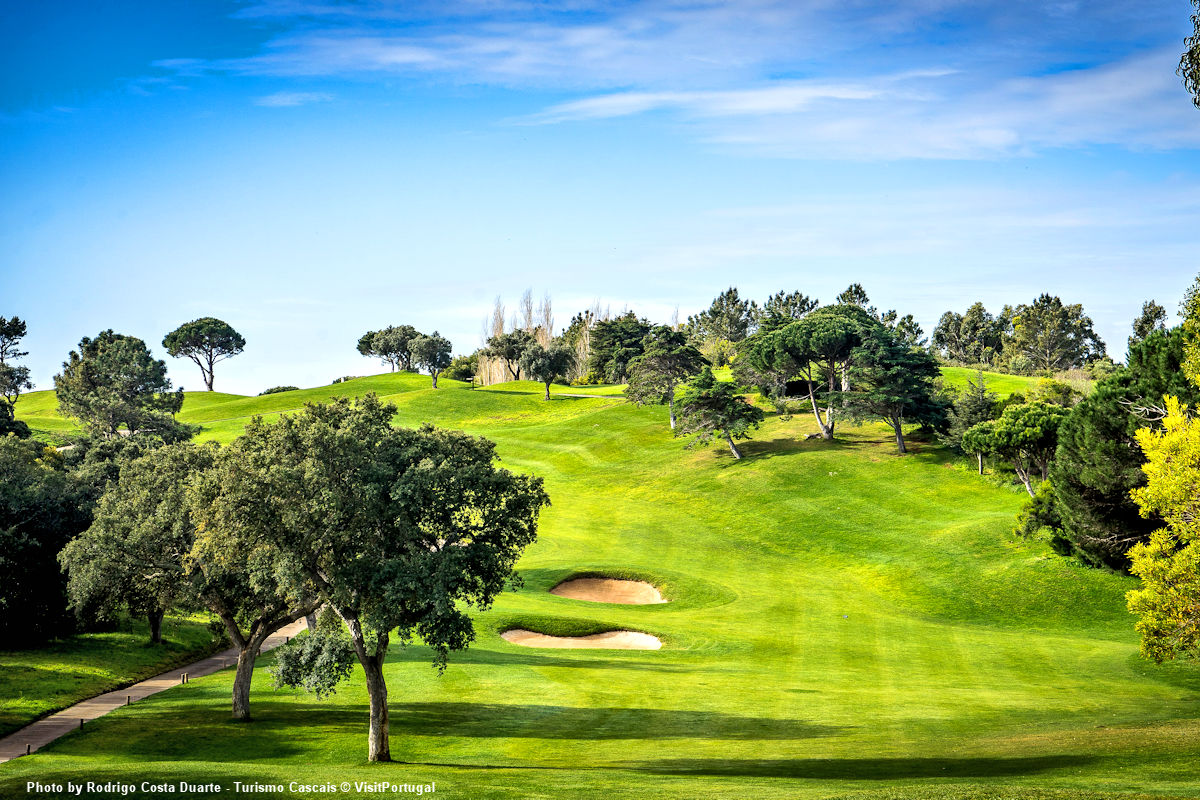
(278,389)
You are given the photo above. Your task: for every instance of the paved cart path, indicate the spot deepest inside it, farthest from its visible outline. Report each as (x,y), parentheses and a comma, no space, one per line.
(46,730)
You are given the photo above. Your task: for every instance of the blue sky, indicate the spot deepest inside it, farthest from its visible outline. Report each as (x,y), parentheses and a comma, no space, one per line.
(309,170)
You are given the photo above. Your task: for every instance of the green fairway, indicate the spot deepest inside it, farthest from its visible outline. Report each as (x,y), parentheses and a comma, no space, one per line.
(998,382)
(843,622)
(36,682)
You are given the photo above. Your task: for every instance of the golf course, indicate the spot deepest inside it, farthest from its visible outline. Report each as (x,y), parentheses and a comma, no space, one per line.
(840,621)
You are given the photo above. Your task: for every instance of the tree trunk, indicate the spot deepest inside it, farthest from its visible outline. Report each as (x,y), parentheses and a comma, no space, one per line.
(155,619)
(733,447)
(434,380)
(242,677)
(208,376)
(979,455)
(826,432)
(671,407)
(547,391)
(378,747)
(899,428)
(311,621)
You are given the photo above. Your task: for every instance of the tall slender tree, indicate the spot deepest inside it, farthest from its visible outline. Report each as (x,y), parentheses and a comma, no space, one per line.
(666,362)
(710,409)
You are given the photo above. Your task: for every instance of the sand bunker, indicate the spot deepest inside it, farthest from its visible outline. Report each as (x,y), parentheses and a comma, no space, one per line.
(609,590)
(610,640)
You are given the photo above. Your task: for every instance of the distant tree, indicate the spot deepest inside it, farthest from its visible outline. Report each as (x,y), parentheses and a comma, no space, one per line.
(667,360)
(894,381)
(390,345)
(1055,336)
(975,337)
(205,341)
(1025,435)
(782,308)
(14,378)
(729,318)
(278,390)
(710,409)
(818,347)
(615,343)
(905,328)
(1189,62)
(509,347)
(1153,318)
(399,530)
(431,353)
(975,404)
(113,381)
(1056,392)
(462,368)
(1098,462)
(855,295)
(42,505)
(548,364)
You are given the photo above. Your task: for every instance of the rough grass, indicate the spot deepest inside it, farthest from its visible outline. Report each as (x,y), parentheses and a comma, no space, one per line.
(34,683)
(844,622)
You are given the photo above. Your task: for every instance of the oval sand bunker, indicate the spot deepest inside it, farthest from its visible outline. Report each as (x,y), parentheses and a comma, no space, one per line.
(610,640)
(609,590)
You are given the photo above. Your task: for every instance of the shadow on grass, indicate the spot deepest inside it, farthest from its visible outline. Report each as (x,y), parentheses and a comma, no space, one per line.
(867,769)
(484,720)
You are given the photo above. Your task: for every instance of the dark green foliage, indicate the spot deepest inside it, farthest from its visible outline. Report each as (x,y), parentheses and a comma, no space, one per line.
(14,378)
(975,404)
(854,295)
(614,344)
(905,328)
(975,337)
(318,662)
(893,381)
(1189,62)
(782,308)
(463,368)
(1041,513)
(395,528)
(817,348)
(1098,461)
(548,364)
(431,353)
(278,389)
(1025,435)
(728,318)
(205,341)
(709,409)
(41,507)
(390,345)
(1054,336)
(113,382)
(1153,318)
(132,555)
(666,361)
(509,347)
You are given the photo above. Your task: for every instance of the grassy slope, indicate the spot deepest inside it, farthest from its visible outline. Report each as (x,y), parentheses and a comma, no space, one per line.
(34,683)
(844,622)
(998,382)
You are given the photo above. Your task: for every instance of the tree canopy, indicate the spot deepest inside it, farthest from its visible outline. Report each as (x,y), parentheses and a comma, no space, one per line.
(398,530)
(975,337)
(390,345)
(14,378)
(113,381)
(548,364)
(710,409)
(614,344)
(893,381)
(1189,62)
(667,360)
(205,341)
(1153,318)
(509,347)
(729,318)
(432,353)
(1054,335)
(1025,435)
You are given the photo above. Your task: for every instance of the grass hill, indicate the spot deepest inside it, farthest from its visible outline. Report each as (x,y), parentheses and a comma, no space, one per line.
(844,622)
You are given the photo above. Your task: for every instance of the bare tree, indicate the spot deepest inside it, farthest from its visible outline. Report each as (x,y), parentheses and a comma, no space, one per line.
(544,330)
(526,309)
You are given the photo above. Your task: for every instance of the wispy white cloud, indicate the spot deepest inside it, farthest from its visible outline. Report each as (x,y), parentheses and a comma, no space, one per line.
(289,99)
